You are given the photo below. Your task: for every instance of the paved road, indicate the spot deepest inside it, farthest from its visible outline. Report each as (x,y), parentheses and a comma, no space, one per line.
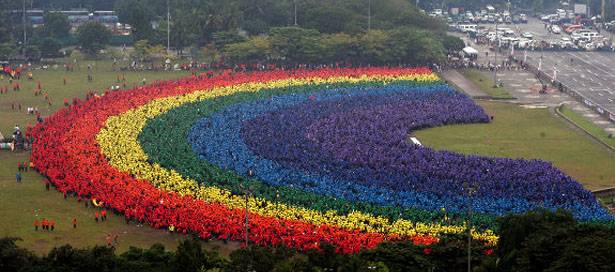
(464,84)
(590,73)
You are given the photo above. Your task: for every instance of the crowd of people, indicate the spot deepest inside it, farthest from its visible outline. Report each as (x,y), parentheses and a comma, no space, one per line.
(65,143)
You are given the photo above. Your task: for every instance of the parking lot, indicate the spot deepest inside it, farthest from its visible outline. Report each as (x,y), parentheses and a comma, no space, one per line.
(590,73)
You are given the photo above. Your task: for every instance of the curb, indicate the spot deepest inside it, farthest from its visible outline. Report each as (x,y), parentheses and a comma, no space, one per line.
(559,113)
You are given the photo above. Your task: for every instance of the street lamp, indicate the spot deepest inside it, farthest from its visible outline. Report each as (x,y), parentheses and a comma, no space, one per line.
(295,4)
(247,191)
(369,15)
(471,190)
(495,57)
(168,27)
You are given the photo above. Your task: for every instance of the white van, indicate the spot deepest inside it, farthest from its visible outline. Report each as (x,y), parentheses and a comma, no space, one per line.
(583,34)
(465,28)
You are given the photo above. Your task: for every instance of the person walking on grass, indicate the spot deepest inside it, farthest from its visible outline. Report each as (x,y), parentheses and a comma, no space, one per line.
(18,177)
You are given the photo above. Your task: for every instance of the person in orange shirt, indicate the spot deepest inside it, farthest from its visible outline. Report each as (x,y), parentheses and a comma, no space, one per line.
(74,223)
(36,224)
(44,224)
(96,215)
(103,215)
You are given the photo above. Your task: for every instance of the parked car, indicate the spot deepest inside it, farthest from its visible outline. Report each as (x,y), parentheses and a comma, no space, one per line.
(528,35)
(572,28)
(566,42)
(555,29)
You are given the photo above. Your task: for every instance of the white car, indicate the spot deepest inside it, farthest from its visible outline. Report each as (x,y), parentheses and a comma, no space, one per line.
(566,42)
(527,35)
(555,29)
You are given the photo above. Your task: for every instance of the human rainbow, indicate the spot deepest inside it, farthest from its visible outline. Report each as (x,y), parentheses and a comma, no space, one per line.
(328,149)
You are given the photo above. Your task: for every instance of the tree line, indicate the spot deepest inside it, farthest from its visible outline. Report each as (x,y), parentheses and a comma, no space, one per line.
(384,32)
(536,241)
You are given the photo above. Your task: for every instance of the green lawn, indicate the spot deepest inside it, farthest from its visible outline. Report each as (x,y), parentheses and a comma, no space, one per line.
(590,127)
(485,84)
(22,203)
(52,81)
(532,134)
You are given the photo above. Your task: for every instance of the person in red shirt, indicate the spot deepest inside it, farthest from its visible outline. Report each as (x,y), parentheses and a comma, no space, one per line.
(74,223)
(103,215)
(36,224)
(96,215)
(44,224)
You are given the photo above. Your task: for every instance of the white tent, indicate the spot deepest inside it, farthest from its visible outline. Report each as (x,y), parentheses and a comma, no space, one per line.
(469,51)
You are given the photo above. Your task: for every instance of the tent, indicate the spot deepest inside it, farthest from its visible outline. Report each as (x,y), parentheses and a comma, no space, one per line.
(469,51)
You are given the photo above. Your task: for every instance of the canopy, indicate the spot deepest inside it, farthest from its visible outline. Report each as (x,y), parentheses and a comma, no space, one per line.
(470,51)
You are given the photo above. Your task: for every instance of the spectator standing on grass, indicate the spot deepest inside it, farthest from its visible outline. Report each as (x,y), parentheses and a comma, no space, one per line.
(96,215)
(44,224)
(18,177)
(74,222)
(109,240)
(104,215)
(52,224)
(36,224)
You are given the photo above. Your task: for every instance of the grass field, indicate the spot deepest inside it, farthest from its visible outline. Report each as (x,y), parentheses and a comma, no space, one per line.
(590,127)
(485,84)
(532,134)
(52,82)
(21,204)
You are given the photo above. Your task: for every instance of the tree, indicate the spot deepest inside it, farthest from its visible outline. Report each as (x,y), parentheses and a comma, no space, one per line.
(417,47)
(452,43)
(222,38)
(136,14)
(294,44)
(13,258)
(93,37)
(338,47)
(49,47)
(56,25)
(6,50)
(190,256)
(330,19)
(373,47)
(257,48)
(553,241)
(5,23)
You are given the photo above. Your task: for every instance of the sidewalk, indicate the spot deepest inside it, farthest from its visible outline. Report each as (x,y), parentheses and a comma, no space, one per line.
(464,84)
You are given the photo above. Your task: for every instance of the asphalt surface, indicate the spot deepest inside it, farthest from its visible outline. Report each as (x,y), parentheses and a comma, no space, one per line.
(591,74)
